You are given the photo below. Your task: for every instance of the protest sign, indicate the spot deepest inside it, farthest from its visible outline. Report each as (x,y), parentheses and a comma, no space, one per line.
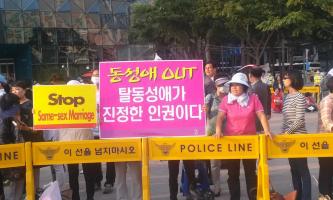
(151,98)
(64,106)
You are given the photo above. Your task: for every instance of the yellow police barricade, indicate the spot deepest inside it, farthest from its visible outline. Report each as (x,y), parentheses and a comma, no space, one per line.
(198,148)
(300,146)
(15,155)
(85,151)
(305,89)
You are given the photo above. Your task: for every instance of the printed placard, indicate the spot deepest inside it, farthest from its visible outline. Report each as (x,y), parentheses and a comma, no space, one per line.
(64,106)
(151,98)
(194,148)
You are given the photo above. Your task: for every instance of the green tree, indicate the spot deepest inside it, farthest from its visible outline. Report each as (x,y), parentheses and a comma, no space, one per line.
(256,21)
(176,25)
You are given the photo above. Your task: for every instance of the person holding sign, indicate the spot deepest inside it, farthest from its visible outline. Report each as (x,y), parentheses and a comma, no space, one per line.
(89,169)
(326,125)
(239,109)
(294,122)
(20,89)
(9,124)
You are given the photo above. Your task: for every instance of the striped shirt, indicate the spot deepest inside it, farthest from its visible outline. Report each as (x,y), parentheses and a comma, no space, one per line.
(294,113)
(326,114)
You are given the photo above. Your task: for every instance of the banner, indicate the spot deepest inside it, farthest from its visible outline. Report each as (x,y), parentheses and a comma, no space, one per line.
(189,148)
(88,151)
(64,106)
(300,146)
(151,98)
(12,155)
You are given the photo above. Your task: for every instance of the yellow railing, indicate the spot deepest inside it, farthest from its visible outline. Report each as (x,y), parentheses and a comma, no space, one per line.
(305,89)
(184,148)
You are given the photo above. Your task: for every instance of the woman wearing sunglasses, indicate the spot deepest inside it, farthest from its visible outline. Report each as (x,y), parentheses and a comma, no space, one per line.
(293,123)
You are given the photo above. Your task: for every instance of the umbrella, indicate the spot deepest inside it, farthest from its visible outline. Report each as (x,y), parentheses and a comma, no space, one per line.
(87,74)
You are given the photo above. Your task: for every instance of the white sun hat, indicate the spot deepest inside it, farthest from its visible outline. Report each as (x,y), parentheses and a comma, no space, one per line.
(240,78)
(74,82)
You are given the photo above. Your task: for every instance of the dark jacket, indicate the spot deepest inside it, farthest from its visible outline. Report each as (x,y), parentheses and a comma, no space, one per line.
(264,94)
(209,85)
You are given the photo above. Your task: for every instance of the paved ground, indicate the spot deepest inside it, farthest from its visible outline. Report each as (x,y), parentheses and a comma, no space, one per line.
(279,172)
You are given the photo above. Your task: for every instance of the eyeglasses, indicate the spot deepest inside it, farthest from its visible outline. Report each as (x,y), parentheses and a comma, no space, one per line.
(285,78)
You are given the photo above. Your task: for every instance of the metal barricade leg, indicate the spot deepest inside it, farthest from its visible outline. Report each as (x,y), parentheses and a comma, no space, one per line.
(145,170)
(30,185)
(263,172)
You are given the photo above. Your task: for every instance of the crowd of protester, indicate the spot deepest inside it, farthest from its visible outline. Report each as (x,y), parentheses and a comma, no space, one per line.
(234,106)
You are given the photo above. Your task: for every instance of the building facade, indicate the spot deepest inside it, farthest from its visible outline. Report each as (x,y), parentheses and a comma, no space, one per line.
(41,37)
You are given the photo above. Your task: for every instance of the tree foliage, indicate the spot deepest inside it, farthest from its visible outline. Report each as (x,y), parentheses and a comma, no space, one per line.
(175,23)
(195,24)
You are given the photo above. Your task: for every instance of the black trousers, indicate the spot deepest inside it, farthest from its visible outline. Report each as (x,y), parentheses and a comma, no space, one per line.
(2,193)
(99,174)
(250,178)
(325,176)
(110,173)
(301,177)
(173,166)
(89,171)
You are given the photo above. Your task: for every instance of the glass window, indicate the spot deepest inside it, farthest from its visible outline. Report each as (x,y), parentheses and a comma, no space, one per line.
(64,54)
(48,19)
(115,37)
(2,18)
(95,54)
(13,4)
(120,7)
(93,21)
(106,7)
(31,19)
(109,53)
(36,55)
(107,21)
(28,35)
(64,20)
(15,35)
(63,5)
(30,5)
(80,55)
(64,36)
(2,4)
(49,54)
(35,41)
(94,37)
(78,5)
(48,36)
(2,35)
(79,20)
(92,6)
(47,5)
(121,21)
(2,27)
(80,37)
(13,19)
(123,53)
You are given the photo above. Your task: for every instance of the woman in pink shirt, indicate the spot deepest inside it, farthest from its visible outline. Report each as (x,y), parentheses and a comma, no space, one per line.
(240,109)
